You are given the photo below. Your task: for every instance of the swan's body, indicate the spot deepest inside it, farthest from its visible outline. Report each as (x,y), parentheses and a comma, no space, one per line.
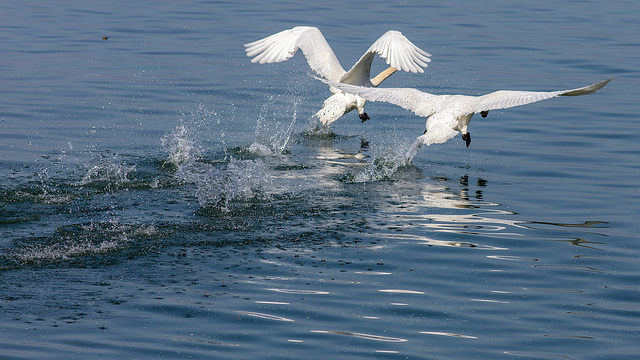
(448,114)
(394,47)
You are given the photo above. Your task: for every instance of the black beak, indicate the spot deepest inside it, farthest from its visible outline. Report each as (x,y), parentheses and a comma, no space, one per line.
(364,117)
(467,138)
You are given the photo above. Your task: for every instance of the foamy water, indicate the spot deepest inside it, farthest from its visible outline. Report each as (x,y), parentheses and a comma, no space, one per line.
(382,166)
(104,170)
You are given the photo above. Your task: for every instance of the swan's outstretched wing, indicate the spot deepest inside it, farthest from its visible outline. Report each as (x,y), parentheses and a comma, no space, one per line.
(398,52)
(421,103)
(425,104)
(505,99)
(283,45)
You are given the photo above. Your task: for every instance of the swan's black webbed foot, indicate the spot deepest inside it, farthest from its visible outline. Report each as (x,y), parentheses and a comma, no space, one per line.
(467,138)
(364,117)
(484,113)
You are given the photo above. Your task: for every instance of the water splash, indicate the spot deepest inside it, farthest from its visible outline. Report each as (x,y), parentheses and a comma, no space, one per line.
(80,240)
(274,137)
(106,172)
(44,191)
(183,144)
(221,181)
(385,164)
(218,187)
(261,150)
(34,254)
(317,131)
(180,145)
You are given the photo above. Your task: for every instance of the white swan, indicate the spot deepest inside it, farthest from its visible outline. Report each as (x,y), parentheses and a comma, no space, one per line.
(448,114)
(394,47)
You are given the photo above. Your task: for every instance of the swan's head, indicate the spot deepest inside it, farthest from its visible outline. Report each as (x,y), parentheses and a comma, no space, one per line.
(360,106)
(467,138)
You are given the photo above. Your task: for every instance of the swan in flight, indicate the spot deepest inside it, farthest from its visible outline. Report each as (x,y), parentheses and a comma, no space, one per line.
(448,114)
(394,47)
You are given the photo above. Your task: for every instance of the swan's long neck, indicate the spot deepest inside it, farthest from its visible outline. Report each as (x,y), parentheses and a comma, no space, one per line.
(383,76)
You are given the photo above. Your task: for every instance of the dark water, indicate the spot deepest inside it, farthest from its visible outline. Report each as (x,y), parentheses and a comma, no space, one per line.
(139,219)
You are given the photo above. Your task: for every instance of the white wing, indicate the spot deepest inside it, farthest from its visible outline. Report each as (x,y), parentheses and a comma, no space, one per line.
(505,99)
(283,45)
(421,103)
(425,104)
(398,52)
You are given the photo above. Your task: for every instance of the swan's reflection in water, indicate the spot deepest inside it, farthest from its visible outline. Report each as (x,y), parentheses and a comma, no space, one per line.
(442,216)
(437,211)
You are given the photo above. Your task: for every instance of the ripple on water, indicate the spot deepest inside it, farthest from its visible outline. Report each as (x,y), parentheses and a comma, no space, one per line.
(301,292)
(448,334)
(264,316)
(361,335)
(511,258)
(401,291)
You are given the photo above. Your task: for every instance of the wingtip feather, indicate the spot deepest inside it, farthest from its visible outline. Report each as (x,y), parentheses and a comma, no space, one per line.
(588,89)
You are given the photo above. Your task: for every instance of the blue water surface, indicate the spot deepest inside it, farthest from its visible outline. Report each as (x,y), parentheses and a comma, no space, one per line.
(163,197)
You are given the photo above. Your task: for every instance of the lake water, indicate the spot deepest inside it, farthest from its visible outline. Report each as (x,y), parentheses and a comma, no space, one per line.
(137,220)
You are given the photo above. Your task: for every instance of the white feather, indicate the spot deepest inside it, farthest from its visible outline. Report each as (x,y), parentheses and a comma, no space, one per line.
(447,114)
(394,47)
